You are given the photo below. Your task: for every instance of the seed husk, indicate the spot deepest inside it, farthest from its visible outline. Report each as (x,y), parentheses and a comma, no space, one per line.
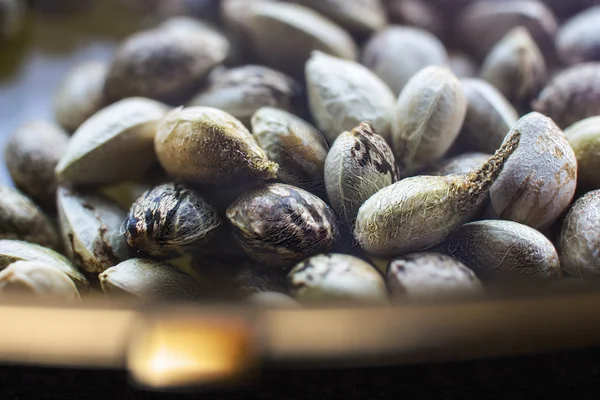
(431,276)
(483,23)
(359,164)
(90,227)
(418,13)
(516,67)
(504,248)
(490,116)
(294,144)
(186,140)
(80,94)
(163,62)
(357,16)
(342,94)
(397,53)
(336,277)
(427,118)
(538,182)
(579,237)
(21,219)
(31,154)
(578,39)
(116,144)
(148,280)
(275,25)
(240,91)
(279,225)
(419,212)
(15,250)
(169,221)
(584,138)
(460,164)
(572,95)
(39,279)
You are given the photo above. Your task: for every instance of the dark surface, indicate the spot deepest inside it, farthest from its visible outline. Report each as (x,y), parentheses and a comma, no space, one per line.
(570,375)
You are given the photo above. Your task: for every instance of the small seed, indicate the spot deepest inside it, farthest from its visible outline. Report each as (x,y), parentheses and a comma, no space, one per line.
(572,95)
(80,94)
(419,13)
(170,220)
(274,25)
(242,90)
(417,213)
(579,243)
(336,277)
(280,225)
(428,116)
(489,117)
(359,164)
(538,181)
(39,279)
(148,280)
(431,276)
(342,94)
(504,248)
(357,16)
(578,40)
(236,17)
(163,62)
(116,144)
(397,53)
(516,67)
(460,164)
(297,146)
(90,227)
(14,250)
(584,138)
(186,141)
(31,154)
(21,219)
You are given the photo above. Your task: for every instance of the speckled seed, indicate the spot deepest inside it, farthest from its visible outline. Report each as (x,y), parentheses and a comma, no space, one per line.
(116,144)
(489,117)
(21,219)
(359,164)
(297,146)
(80,94)
(460,164)
(357,16)
(418,13)
(14,250)
(516,67)
(572,95)
(186,140)
(462,65)
(342,94)
(483,23)
(578,40)
(162,62)
(584,138)
(90,227)
(397,53)
(427,117)
(417,213)
(242,90)
(31,154)
(538,181)
(148,280)
(170,220)
(272,300)
(37,278)
(280,225)
(336,277)
(496,248)
(274,25)
(579,243)
(431,276)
